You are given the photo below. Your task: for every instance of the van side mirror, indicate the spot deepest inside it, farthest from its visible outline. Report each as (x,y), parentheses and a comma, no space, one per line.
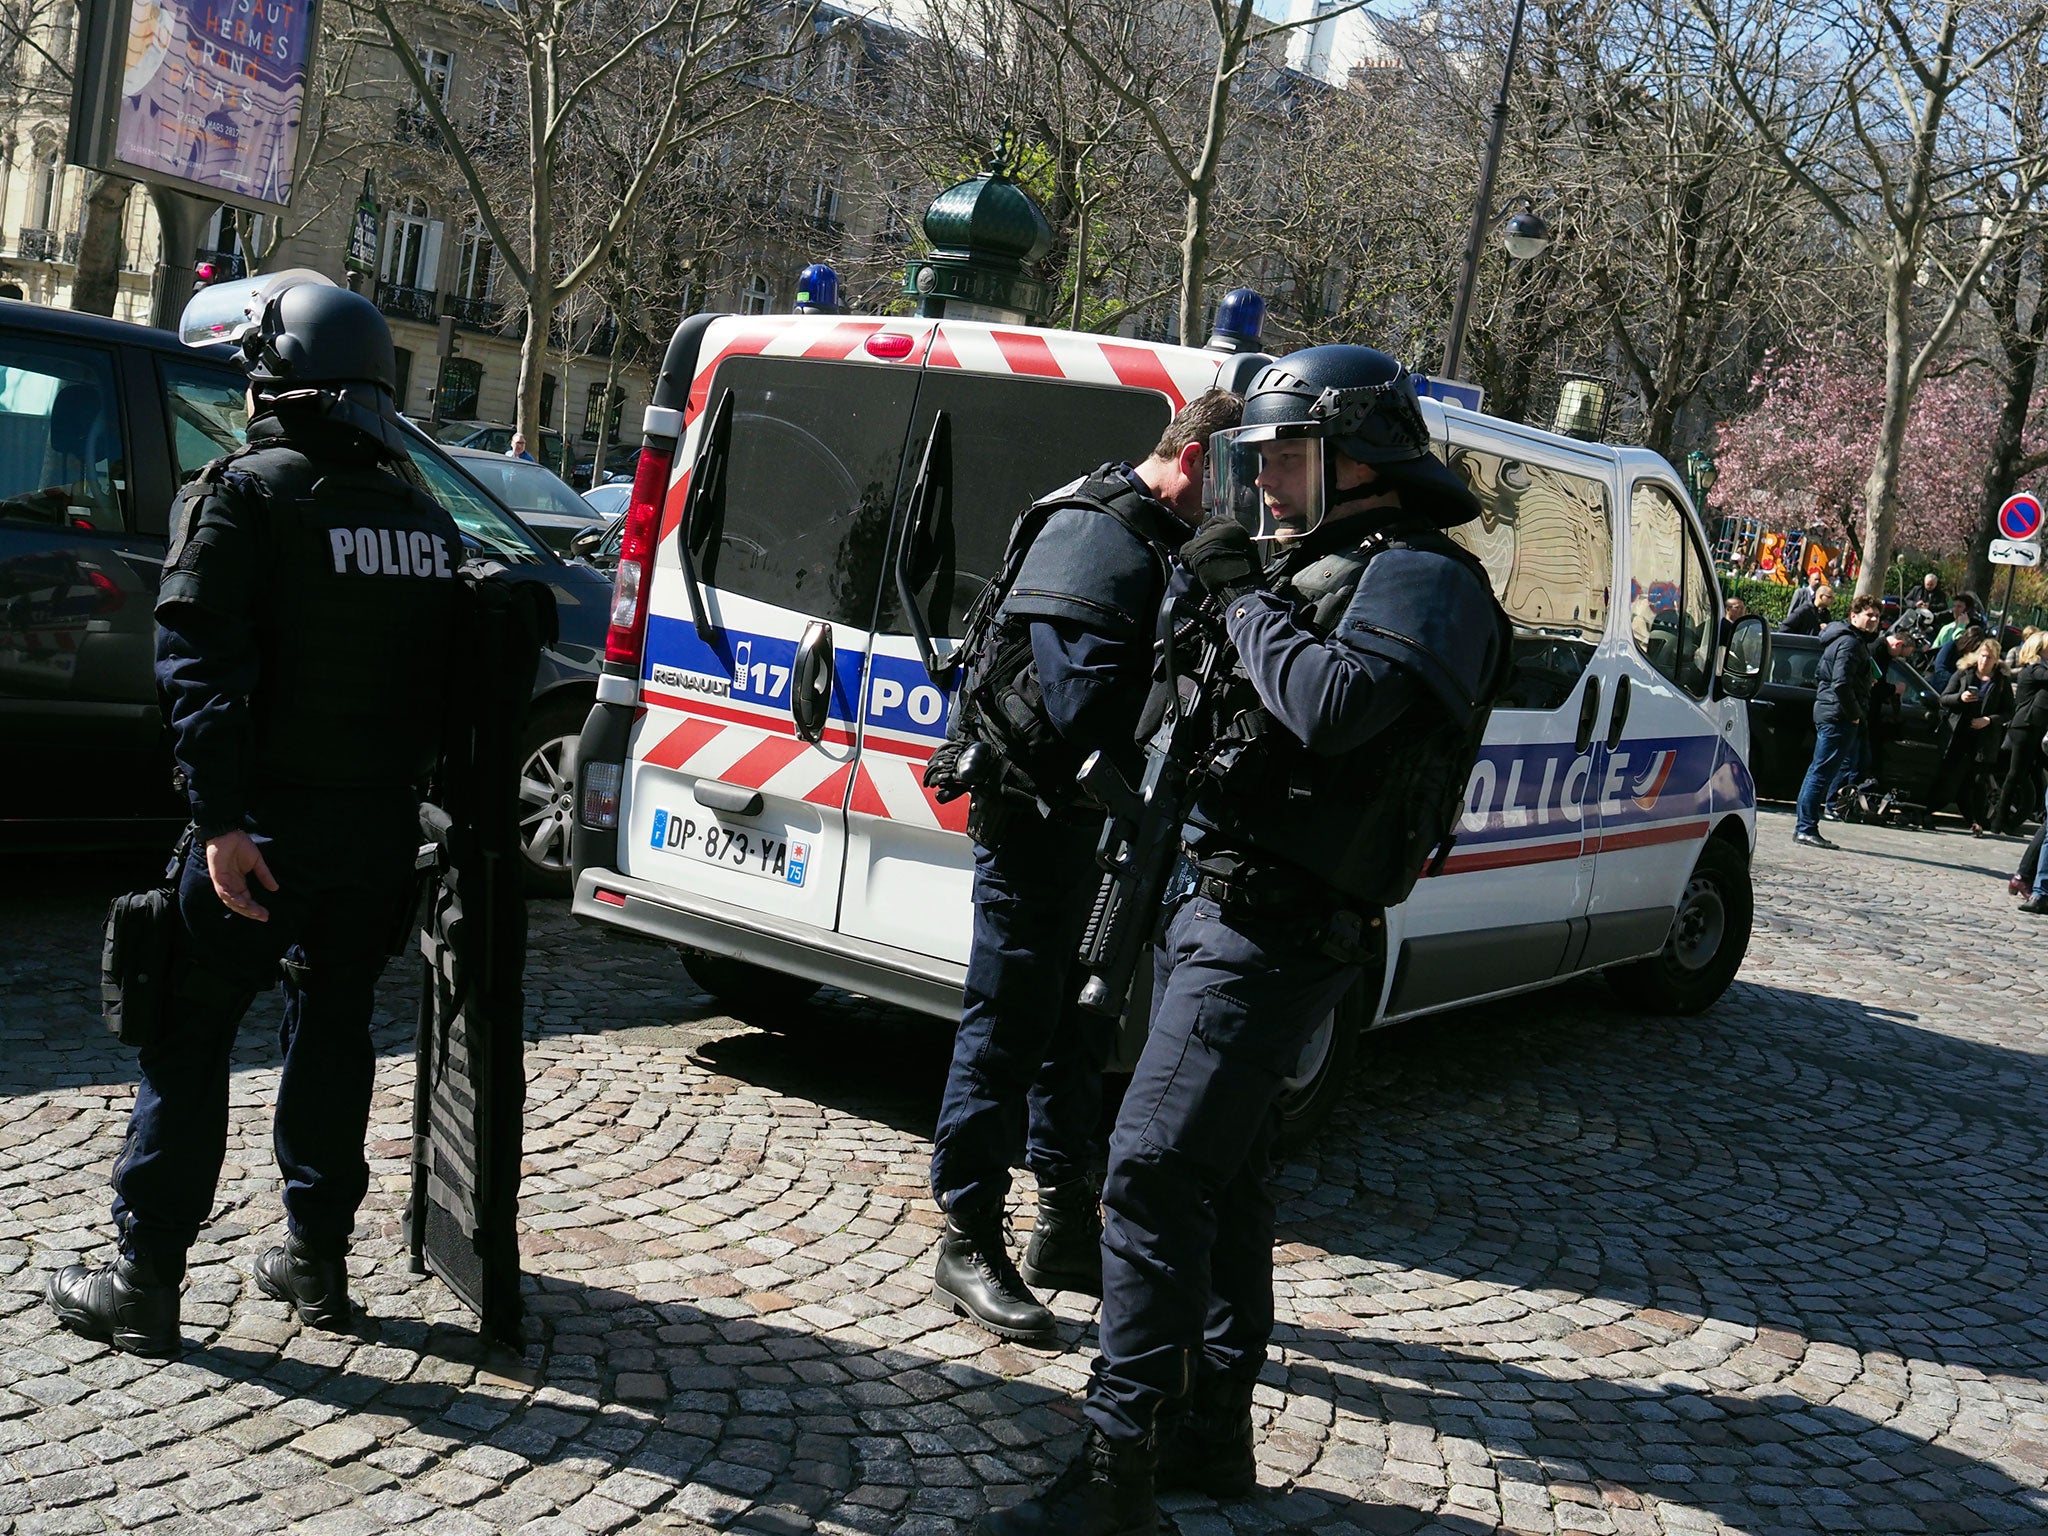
(1746,658)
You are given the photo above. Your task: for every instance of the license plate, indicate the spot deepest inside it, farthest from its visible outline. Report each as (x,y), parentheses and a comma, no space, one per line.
(747,850)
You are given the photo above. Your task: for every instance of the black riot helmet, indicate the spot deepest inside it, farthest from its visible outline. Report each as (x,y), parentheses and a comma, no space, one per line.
(314,334)
(1279,472)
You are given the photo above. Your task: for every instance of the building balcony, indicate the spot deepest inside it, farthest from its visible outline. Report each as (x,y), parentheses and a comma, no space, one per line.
(72,240)
(407,303)
(415,126)
(485,314)
(36,245)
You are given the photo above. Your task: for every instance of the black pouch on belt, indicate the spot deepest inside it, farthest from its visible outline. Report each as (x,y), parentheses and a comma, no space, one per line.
(136,951)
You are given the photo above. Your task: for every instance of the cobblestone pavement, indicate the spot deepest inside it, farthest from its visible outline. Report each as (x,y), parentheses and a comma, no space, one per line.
(1556,1267)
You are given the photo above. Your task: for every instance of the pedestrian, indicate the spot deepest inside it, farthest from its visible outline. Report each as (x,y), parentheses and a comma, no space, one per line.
(1976,699)
(2021,792)
(1841,696)
(1964,613)
(1063,672)
(1809,607)
(306,594)
(1355,722)
(518,450)
(1949,654)
(2032,878)
(1930,592)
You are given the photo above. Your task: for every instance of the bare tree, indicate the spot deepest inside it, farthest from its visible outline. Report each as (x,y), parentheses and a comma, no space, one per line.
(1884,116)
(657,74)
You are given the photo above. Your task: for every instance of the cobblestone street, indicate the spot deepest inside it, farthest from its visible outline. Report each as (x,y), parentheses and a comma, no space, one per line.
(1555,1267)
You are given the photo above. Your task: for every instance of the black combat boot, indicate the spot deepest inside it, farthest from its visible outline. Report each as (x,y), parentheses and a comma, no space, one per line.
(316,1285)
(1065,1252)
(126,1304)
(976,1278)
(1106,1490)
(1207,1447)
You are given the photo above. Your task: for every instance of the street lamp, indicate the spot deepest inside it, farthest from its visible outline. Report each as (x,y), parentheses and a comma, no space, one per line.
(1524,234)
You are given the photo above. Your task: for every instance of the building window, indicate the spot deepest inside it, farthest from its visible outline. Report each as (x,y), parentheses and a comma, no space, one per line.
(409,251)
(49,164)
(838,65)
(401,371)
(594,411)
(61,34)
(547,399)
(462,380)
(758,296)
(437,64)
(825,198)
(473,268)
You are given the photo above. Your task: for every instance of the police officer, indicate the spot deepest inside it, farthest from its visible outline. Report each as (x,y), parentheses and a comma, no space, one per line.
(1367,659)
(1062,671)
(306,602)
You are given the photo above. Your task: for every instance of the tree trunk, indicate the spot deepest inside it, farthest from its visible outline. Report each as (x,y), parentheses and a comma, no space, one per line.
(96,283)
(2021,345)
(1194,259)
(604,415)
(1881,489)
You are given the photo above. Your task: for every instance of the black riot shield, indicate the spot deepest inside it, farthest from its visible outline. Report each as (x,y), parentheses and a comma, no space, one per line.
(470,1081)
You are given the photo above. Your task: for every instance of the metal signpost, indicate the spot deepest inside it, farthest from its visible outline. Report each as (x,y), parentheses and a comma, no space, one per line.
(2019,520)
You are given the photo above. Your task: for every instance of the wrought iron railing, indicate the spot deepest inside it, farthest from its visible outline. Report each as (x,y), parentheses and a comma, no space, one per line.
(37,245)
(484,314)
(406,303)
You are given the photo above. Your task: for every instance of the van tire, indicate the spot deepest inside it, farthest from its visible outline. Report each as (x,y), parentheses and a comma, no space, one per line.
(1708,940)
(745,985)
(1306,1109)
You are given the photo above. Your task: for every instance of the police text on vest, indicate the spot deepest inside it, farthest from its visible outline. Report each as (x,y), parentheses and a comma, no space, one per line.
(388,552)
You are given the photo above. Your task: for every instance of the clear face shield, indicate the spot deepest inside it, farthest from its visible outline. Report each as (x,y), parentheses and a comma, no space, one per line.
(229,311)
(1269,478)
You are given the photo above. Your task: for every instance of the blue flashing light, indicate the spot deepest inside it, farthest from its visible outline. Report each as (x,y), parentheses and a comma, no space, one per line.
(1241,313)
(817,290)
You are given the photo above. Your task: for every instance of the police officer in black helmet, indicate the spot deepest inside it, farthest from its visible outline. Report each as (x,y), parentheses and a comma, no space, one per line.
(306,604)
(1368,653)
(1058,669)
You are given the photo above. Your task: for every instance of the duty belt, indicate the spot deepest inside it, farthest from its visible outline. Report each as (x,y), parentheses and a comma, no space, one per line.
(1326,919)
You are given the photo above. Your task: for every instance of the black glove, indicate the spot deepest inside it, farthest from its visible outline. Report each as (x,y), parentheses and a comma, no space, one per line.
(942,773)
(1219,556)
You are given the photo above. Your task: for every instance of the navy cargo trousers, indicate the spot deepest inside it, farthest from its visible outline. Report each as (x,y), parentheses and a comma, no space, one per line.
(343,862)
(1187,1224)
(1026,1079)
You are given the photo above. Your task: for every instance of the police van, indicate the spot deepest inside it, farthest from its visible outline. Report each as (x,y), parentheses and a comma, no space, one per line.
(819,500)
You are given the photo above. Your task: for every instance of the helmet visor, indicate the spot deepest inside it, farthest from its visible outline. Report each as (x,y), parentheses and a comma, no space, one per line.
(1270,478)
(229,311)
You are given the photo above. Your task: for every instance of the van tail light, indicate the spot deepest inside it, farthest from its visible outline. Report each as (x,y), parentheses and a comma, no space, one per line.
(601,795)
(628,635)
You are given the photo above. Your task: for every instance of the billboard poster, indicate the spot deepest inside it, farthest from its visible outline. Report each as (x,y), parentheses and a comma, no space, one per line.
(211,95)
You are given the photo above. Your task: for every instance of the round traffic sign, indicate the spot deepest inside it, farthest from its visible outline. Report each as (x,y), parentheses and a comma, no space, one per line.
(2020,517)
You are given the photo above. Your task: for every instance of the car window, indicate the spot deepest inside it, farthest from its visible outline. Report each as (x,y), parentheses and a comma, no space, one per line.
(810,483)
(1671,613)
(1914,692)
(1543,536)
(61,459)
(208,409)
(999,470)
(495,534)
(1794,668)
(527,487)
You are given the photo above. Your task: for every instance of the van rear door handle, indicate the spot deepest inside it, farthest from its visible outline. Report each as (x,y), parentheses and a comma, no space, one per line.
(1589,711)
(1619,718)
(810,683)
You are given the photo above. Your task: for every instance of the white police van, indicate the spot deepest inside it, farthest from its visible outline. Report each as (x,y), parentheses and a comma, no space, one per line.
(818,502)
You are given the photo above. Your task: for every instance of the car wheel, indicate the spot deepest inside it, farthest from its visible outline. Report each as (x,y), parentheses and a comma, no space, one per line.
(547,794)
(1323,1073)
(745,985)
(1709,937)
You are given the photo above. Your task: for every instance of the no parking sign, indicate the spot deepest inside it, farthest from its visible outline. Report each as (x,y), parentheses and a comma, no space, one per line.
(2020,517)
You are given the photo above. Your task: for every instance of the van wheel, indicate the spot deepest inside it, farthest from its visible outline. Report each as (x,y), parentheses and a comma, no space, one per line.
(547,794)
(744,985)
(1323,1074)
(1709,936)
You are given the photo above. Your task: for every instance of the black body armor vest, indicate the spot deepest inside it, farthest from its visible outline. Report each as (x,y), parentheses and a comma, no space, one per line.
(1370,822)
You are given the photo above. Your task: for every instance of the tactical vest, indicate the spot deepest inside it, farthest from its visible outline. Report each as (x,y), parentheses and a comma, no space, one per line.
(354,621)
(1001,703)
(1368,823)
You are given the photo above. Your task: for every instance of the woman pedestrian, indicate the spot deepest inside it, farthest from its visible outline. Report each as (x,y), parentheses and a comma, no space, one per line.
(2020,796)
(1976,699)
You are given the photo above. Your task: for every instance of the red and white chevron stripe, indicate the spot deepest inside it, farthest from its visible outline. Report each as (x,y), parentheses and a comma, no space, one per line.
(765,754)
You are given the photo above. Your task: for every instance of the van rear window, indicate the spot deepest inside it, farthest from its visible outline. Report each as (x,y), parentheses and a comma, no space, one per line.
(810,487)
(1014,439)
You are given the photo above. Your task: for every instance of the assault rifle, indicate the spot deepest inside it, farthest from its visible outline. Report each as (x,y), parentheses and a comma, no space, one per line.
(1141,839)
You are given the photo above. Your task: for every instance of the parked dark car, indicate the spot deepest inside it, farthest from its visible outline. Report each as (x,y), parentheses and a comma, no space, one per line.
(496,437)
(100,422)
(1908,726)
